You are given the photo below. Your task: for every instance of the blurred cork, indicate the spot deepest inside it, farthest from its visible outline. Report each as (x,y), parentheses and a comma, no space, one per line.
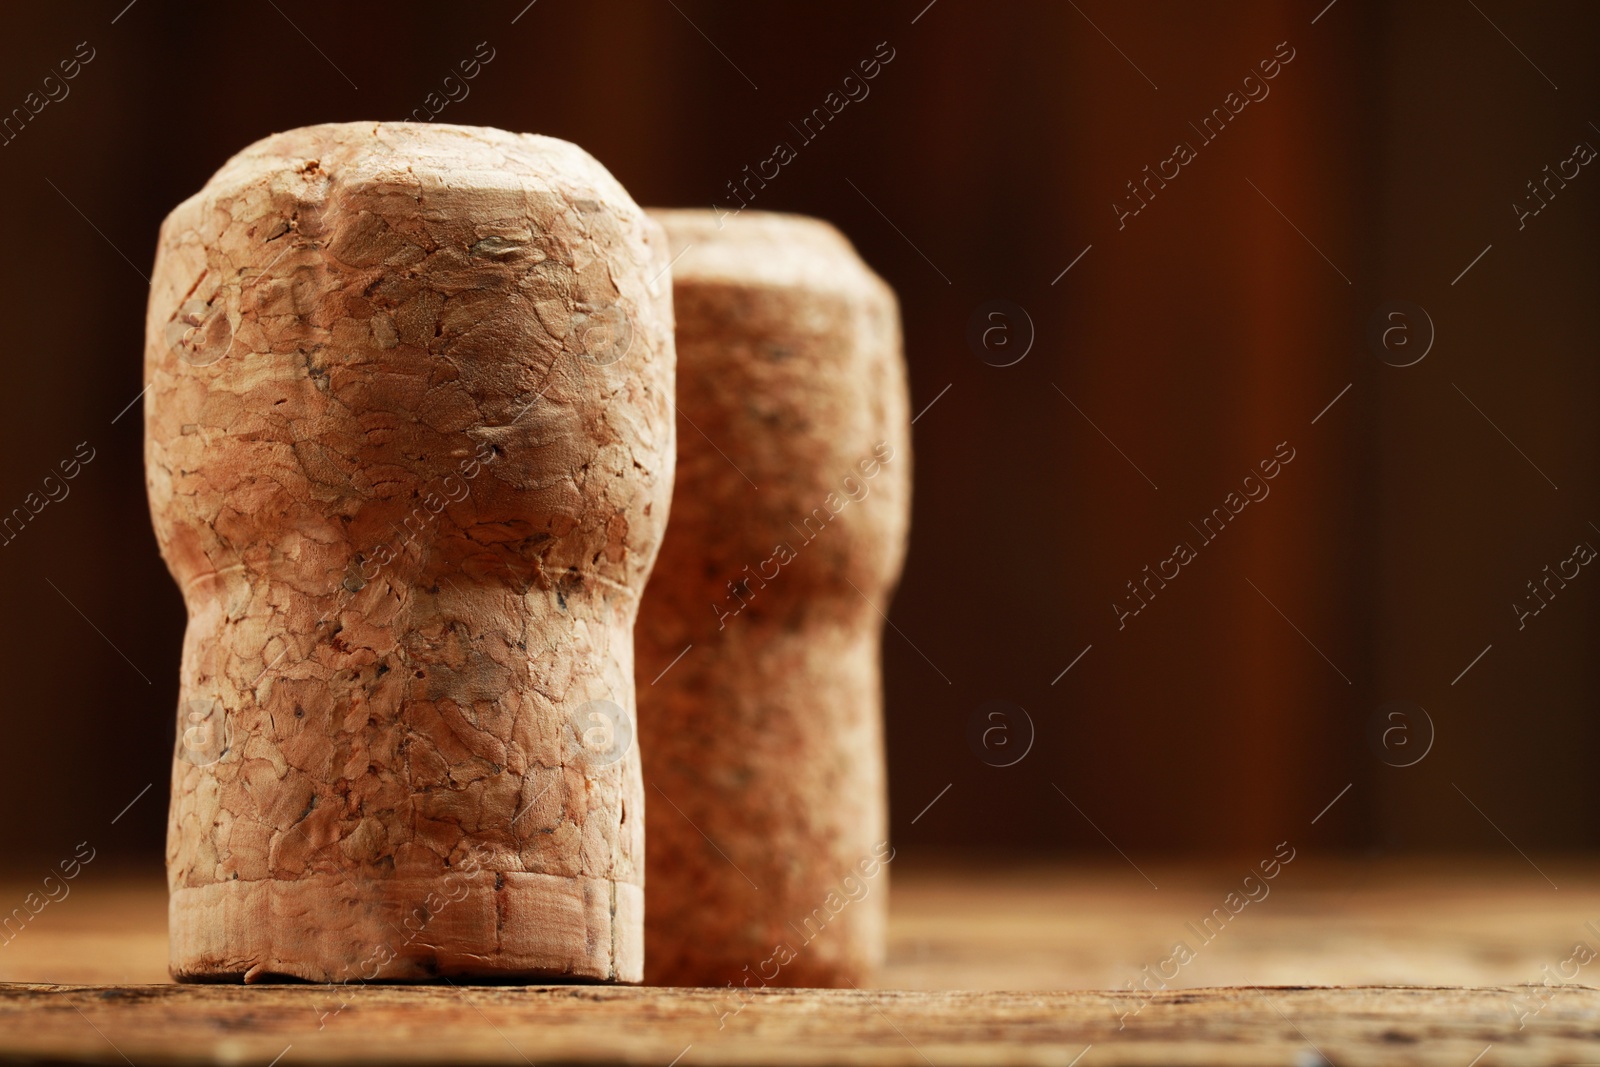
(409,451)
(759,637)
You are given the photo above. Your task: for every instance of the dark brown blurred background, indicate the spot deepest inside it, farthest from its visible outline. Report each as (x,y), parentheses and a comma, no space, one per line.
(1177,352)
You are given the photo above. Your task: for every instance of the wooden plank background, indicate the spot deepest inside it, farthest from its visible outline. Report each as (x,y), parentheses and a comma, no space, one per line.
(1197,338)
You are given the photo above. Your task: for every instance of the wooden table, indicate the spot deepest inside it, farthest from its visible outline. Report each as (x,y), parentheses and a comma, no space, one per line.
(1342,962)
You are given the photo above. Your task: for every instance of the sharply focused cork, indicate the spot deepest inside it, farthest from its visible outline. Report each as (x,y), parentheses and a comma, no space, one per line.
(409,449)
(760,707)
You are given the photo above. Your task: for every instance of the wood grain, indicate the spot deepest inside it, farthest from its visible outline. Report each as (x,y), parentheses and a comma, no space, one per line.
(657,1026)
(1414,962)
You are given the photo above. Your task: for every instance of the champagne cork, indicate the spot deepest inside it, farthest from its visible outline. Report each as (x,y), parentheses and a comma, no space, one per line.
(759,639)
(409,450)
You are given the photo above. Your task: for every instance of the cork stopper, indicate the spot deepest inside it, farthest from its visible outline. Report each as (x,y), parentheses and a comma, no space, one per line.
(409,452)
(760,634)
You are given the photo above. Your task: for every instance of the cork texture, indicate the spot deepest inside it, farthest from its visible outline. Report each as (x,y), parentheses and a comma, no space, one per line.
(760,634)
(409,453)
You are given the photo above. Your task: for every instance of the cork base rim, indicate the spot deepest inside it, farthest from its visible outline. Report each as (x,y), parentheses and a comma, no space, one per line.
(492,926)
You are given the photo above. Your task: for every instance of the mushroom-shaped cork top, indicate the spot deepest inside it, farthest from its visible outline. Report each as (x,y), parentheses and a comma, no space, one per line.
(765,248)
(409,447)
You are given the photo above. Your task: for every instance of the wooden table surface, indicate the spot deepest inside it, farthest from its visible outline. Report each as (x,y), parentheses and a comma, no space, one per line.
(1384,962)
